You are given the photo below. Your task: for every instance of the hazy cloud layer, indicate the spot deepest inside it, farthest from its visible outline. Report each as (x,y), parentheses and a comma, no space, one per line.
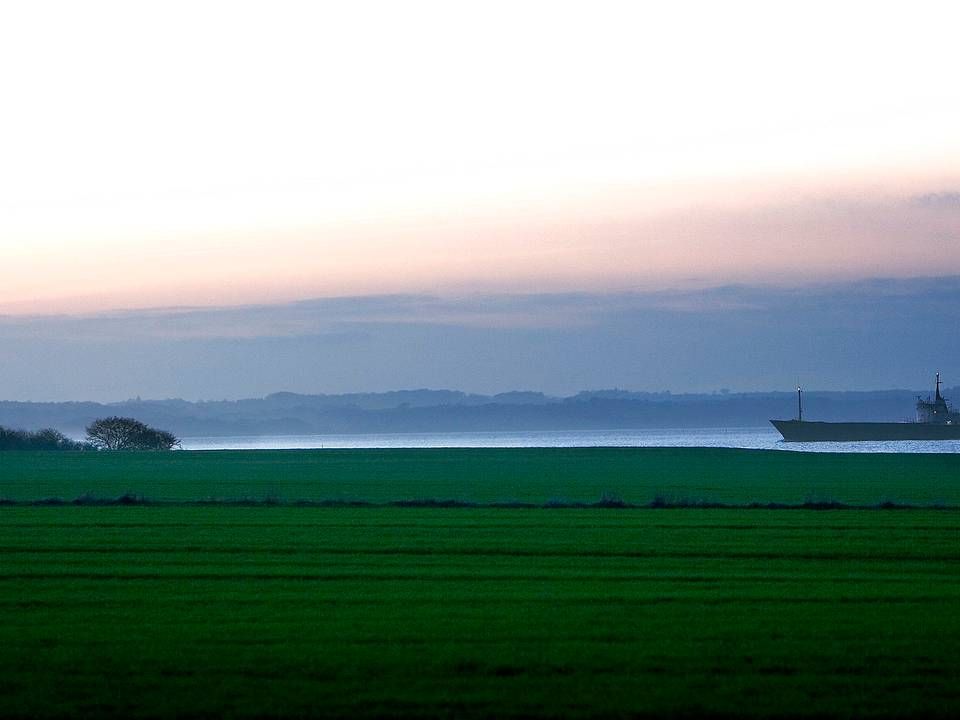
(619,239)
(872,334)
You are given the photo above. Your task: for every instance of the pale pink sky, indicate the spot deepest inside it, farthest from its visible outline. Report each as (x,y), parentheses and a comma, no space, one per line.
(300,151)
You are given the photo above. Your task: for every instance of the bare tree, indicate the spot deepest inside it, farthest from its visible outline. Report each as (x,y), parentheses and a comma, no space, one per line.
(121,433)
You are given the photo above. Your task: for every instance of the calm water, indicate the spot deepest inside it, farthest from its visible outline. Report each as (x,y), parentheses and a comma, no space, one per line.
(763,438)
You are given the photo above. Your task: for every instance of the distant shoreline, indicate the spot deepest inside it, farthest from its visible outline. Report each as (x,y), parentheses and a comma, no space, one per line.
(443,411)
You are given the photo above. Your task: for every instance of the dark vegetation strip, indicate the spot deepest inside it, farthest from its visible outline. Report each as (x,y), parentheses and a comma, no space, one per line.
(612,503)
(830,555)
(590,524)
(434,577)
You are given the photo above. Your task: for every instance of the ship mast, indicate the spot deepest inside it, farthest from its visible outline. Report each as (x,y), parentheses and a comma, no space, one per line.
(937,399)
(800,404)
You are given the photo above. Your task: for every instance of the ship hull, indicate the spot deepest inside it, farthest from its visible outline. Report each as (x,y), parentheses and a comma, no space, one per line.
(803,431)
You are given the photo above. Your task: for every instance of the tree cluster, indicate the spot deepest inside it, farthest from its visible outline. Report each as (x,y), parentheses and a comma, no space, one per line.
(46,439)
(122,433)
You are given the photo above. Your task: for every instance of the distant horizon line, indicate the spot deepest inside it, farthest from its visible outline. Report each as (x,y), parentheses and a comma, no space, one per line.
(613,393)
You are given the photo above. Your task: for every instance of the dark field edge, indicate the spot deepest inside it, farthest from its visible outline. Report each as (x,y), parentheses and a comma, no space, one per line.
(606,503)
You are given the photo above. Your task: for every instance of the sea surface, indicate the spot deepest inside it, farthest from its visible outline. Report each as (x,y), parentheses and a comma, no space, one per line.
(758,438)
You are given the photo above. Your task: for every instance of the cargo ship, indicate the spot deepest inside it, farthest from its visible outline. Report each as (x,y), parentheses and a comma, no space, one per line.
(935,420)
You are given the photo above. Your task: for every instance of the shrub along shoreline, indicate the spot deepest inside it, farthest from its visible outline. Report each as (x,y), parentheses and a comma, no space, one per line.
(45,439)
(111,433)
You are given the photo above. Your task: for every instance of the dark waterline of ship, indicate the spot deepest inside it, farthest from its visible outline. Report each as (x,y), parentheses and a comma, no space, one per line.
(761,438)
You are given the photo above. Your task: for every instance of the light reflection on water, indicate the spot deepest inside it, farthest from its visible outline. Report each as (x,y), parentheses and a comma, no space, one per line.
(756,438)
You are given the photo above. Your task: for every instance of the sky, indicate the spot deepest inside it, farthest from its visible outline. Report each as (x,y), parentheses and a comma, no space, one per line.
(203,162)
(870,334)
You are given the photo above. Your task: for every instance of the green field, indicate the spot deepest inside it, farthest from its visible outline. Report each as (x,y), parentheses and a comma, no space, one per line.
(490,475)
(167,610)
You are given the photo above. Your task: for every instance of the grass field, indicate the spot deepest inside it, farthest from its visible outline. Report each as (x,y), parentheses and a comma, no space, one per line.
(166,611)
(489,475)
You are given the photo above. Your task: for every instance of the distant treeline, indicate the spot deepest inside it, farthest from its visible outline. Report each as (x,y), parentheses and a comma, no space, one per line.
(452,411)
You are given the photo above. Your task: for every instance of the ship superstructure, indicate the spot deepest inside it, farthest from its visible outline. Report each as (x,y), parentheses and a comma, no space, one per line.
(936,411)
